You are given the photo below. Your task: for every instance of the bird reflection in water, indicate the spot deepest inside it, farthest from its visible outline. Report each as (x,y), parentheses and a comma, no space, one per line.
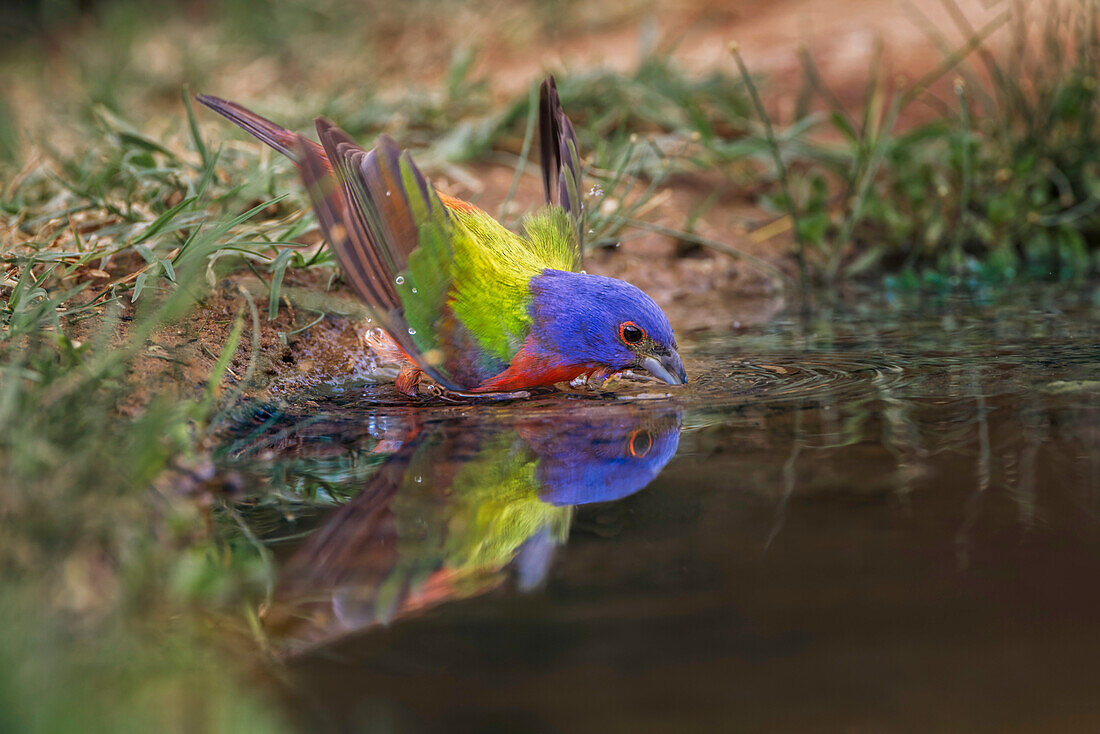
(460,505)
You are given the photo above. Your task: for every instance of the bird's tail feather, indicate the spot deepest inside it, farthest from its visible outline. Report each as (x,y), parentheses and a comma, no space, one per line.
(263,129)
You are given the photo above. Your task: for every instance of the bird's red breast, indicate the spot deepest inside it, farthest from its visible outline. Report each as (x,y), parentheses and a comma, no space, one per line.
(529,368)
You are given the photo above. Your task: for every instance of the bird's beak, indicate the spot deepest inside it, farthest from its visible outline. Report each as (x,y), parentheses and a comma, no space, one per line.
(668,368)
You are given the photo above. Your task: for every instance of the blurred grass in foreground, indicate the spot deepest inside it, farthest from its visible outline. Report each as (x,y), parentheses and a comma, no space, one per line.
(105,581)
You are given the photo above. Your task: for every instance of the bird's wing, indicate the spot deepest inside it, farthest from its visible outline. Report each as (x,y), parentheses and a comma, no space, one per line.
(449,284)
(391,235)
(562,171)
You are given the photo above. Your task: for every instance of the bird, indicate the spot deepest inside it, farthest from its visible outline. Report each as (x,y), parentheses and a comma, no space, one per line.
(479,309)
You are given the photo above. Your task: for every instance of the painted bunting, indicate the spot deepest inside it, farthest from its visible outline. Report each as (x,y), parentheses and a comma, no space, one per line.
(477,307)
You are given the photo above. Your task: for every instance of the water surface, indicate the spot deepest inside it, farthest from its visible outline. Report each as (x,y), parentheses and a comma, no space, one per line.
(883,516)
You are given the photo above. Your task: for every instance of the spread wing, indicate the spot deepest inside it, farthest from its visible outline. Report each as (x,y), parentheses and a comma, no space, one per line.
(562,171)
(391,235)
(443,278)
(449,284)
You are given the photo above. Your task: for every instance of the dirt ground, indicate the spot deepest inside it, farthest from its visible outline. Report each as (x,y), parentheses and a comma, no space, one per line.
(840,34)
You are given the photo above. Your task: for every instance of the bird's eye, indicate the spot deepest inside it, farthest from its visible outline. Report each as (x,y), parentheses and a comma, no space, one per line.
(630,332)
(640,443)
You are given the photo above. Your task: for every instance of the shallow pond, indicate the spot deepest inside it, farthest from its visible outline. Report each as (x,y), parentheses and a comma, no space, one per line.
(882,516)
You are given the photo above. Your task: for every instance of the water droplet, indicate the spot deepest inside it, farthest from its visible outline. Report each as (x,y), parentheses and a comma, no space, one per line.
(412,331)
(415,291)
(399,279)
(388,193)
(418,479)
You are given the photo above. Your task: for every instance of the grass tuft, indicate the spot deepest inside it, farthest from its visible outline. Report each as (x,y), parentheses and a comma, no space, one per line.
(1003,186)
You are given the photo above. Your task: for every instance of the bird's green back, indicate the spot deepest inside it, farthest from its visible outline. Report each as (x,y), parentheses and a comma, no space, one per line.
(481,271)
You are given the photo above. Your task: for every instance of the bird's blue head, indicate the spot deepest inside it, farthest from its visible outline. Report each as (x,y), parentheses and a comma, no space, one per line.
(583,318)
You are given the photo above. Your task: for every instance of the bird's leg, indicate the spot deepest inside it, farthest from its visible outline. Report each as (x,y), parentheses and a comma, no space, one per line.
(410,384)
(408,381)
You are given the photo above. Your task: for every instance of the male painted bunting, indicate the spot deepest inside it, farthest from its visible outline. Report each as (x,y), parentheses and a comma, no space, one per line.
(478,308)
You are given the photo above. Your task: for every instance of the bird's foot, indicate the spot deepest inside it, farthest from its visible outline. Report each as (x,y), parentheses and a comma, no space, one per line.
(599,380)
(408,382)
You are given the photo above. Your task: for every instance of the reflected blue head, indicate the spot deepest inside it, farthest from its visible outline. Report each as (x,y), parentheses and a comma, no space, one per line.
(584,464)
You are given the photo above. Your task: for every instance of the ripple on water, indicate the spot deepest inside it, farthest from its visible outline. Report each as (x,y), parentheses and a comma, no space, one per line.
(813,376)
(856,374)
